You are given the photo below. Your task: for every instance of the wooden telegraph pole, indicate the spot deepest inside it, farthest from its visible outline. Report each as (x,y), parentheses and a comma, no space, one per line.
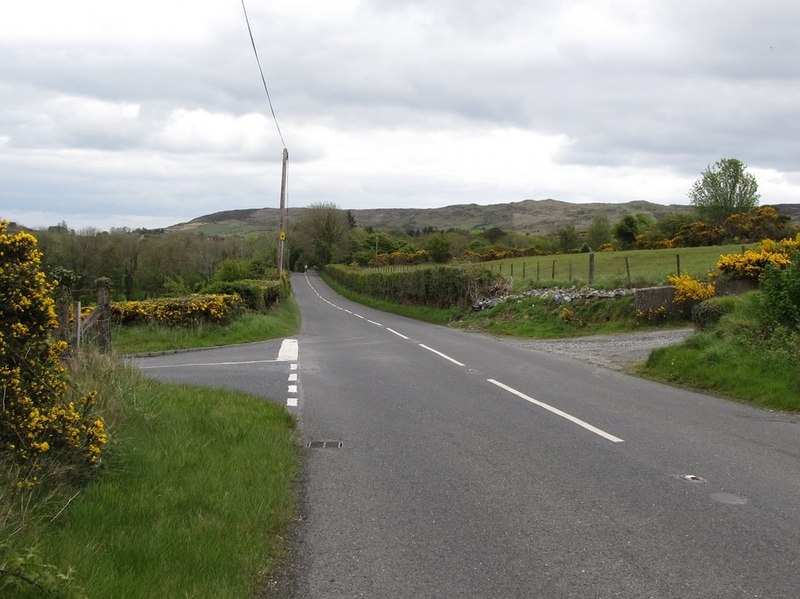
(282,215)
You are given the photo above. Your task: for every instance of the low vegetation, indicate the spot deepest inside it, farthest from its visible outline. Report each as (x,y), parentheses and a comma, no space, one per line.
(168,515)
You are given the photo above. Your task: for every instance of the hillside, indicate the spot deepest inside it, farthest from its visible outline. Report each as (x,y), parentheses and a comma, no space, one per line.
(528,216)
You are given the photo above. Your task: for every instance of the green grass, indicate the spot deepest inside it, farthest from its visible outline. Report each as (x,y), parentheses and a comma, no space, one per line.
(738,357)
(196,496)
(647,267)
(282,321)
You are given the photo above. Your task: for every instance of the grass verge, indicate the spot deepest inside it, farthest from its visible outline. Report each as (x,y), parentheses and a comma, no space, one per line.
(738,357)
(194,500)
(282,321)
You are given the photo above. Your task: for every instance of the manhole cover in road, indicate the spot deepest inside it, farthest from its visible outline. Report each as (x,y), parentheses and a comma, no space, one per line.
(729,498)
(324,444)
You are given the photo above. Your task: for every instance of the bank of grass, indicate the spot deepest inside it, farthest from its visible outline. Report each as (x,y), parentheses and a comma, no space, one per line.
(739,357)
(195,496)
(282,321)
(543,319)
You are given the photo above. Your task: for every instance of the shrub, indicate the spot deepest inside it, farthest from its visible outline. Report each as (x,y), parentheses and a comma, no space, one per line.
(751,263)
(780,294)
(43,423)
(706,314)
(689,289)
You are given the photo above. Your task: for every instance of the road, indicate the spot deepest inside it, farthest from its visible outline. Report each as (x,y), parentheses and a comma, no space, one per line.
(450,464)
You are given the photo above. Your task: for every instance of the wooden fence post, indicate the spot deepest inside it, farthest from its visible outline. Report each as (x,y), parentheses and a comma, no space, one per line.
(591,268)
(570,271)
(678,263)
(523,270)
(628,269)
(104,318)
(554,270)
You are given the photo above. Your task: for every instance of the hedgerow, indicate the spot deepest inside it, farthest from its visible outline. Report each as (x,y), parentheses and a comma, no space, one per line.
(442,287)
(179,311)
(258,295)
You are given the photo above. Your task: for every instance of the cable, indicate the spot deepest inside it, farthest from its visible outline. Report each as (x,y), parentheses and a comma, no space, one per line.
(260,70)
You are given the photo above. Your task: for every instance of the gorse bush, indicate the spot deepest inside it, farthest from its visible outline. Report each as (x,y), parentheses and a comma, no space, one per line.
(179,311)
(689,289)
(441,287)
(44,424)
(751,263)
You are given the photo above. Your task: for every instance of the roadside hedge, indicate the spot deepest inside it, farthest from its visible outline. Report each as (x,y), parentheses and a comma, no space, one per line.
(178,311)
(441,287)
(258,295)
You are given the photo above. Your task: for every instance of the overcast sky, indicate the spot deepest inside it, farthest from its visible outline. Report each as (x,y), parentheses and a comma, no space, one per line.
(118,113)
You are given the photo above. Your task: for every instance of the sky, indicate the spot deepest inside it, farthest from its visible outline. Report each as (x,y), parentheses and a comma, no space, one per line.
(116,113)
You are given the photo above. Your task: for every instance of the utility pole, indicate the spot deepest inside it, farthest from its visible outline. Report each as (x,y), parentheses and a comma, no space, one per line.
(282,215)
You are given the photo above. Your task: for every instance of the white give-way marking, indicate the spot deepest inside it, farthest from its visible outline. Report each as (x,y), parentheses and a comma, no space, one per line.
(288,351)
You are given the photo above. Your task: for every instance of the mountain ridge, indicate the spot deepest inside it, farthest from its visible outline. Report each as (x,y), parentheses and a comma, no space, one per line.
(540,217)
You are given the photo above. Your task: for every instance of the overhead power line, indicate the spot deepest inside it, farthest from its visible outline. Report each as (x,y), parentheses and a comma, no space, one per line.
(263,79)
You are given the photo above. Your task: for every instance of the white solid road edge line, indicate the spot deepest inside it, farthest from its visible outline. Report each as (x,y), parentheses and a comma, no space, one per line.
(288,351)
(438,353)
(558,412)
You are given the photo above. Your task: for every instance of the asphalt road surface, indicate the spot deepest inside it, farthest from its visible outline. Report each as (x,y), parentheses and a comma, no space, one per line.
(449,464)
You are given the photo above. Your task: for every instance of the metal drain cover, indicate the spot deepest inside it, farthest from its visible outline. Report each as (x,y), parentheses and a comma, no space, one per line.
(324,444)
(692,478)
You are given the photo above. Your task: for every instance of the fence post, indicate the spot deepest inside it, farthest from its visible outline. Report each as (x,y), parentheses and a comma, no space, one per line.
(512,269)
(628,269)
(76,310)
(678,263)
(104,318)
(538,265)
(591,268)
(523,270)
(570,271)
(554,270)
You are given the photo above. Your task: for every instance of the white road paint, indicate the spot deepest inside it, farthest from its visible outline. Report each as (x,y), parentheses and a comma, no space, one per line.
(288,351)
(293,377)
(358,316)
(291,402)
(438,353)
(396,333)
(208,364)
(375,323)
(292,389)
(558,412)
(293,367)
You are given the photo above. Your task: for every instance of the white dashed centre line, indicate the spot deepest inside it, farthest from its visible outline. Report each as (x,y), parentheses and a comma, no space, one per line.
(396,333)
(438,353)
(558,412)
(375,323)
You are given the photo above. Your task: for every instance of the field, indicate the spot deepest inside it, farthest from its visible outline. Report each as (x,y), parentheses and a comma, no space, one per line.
(632,268)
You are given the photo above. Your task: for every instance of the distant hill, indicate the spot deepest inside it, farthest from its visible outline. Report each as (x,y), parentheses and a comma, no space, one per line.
(529,216)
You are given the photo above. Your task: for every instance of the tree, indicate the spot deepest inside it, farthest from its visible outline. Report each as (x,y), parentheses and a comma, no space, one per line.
(568,238)
(439,248)
(324,233)
(599,232)
(626,231)
(724,189)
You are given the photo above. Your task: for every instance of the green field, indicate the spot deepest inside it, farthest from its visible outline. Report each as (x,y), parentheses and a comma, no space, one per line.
(613,269)
(631,268)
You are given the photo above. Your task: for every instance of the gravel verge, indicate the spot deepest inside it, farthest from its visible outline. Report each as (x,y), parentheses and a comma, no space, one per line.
(620,351)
